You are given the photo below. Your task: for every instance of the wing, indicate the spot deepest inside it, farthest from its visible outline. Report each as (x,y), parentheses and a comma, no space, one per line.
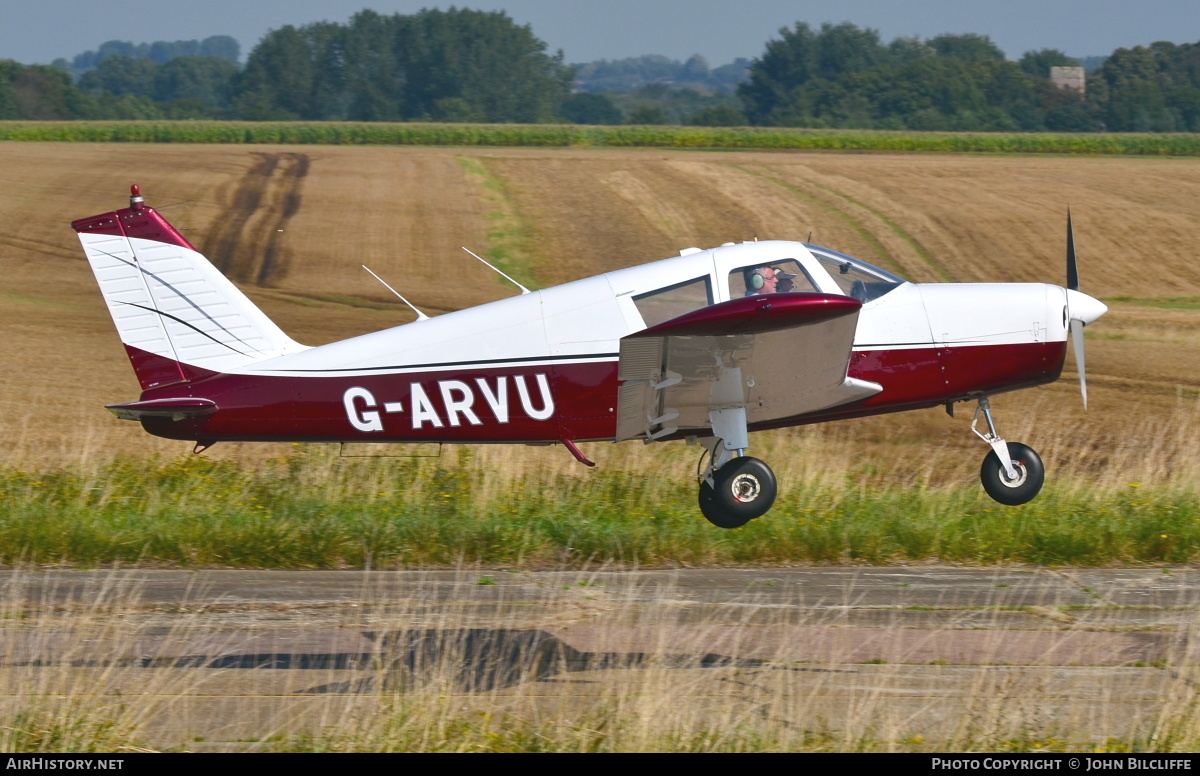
(778,355)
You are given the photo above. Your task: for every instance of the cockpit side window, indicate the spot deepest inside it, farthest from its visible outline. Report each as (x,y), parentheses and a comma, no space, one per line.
(856,278)
(663,304)
(776,277)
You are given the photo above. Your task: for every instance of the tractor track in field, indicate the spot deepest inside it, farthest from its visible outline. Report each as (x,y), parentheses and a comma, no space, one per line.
(39,247)
(247,242)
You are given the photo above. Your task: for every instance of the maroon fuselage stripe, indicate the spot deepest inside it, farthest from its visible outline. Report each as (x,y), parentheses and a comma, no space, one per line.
(584,395)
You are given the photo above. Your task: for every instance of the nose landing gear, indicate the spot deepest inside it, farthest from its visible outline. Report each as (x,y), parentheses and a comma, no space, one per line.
(1012,473)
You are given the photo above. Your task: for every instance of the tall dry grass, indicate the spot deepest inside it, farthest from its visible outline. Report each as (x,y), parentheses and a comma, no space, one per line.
(1154,448)
(99,669)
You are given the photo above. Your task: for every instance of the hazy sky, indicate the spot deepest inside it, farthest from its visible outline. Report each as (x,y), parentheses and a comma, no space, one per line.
(41,30)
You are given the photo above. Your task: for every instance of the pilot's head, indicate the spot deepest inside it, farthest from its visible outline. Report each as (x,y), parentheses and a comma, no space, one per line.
(760,280)
(786,281)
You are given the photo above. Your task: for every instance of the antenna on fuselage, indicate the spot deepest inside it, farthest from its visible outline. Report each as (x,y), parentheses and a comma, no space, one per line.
(524,290)
(420,315)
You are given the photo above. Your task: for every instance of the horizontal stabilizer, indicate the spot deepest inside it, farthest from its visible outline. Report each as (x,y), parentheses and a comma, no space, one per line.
(175,409)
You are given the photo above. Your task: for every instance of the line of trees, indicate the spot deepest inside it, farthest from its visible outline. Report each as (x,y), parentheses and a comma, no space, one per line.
(455,65)
(622,76)
(162,51)
(467,65)
(844,76)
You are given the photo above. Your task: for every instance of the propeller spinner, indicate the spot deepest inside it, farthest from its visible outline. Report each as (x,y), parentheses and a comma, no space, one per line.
(1081,309)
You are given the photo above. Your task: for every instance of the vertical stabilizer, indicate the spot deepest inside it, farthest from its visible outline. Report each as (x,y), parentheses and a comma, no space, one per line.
(172,308)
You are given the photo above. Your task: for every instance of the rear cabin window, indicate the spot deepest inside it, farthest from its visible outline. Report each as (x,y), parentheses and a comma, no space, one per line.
(673,301)
(777,277)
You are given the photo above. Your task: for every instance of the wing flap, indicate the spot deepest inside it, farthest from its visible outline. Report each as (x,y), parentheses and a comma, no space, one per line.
(778,356)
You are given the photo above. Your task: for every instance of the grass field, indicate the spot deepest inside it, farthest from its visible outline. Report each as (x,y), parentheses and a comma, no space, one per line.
(490,508)
(554,215)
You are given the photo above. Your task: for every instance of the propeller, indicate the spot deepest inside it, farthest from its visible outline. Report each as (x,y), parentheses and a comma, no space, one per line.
(1076,324)
(1081,309)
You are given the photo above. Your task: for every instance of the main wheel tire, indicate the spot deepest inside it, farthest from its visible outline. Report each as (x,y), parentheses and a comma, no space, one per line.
(742,490)
(1031,475)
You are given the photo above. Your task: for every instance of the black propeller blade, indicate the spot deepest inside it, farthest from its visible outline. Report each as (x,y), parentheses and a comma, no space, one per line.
(1072,267)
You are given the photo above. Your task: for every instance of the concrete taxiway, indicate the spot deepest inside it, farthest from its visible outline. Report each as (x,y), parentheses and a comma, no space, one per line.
(208,659)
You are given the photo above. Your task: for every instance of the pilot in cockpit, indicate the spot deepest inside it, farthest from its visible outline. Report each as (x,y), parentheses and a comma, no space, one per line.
(767,280)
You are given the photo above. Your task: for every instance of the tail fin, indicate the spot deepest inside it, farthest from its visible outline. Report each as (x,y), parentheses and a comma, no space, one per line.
(177,315)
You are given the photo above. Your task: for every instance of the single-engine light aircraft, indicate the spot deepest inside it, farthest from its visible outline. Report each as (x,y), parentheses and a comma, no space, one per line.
(706,346)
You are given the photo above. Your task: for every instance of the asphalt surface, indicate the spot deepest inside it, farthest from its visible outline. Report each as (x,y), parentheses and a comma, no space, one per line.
(216,659)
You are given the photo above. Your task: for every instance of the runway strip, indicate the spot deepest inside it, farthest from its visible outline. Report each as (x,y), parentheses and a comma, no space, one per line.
(222,657)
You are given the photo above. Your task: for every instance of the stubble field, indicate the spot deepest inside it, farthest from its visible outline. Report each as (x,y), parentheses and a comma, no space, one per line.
(292,224)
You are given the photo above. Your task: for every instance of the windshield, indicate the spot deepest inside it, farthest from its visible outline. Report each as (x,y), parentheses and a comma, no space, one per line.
(855,277)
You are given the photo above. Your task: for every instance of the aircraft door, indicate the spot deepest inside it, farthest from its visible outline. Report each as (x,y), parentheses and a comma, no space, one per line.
(585,397)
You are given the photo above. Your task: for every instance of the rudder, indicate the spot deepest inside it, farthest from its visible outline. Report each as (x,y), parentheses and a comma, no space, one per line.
(172,308)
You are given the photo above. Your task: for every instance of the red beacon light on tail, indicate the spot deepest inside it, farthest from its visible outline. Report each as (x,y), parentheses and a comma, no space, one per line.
(135,197)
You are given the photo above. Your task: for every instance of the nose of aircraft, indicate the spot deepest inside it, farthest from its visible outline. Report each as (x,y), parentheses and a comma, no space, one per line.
(1084,308)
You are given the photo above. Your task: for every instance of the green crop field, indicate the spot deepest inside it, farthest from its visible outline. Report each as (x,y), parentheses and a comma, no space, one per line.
(570,135)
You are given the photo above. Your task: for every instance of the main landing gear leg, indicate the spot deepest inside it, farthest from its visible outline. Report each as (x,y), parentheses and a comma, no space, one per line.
(1012,473)
(735,488)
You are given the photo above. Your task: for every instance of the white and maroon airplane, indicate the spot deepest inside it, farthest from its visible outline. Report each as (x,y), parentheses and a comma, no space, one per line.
(706,346)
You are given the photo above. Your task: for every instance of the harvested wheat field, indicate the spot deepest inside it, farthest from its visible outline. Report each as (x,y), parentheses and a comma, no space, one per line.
(292,224)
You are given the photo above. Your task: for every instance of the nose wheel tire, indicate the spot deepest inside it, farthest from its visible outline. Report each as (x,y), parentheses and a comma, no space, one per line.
(743,489)
(1031,475)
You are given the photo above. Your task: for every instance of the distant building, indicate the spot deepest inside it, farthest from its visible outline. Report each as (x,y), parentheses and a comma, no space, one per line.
(1069,78)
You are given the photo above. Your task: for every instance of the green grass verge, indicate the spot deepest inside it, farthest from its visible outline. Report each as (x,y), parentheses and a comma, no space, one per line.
(567,135)
(1162,302)
(314,510)
(507,233)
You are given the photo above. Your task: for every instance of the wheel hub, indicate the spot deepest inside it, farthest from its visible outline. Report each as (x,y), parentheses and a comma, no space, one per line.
(745,487)
(1017,481)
